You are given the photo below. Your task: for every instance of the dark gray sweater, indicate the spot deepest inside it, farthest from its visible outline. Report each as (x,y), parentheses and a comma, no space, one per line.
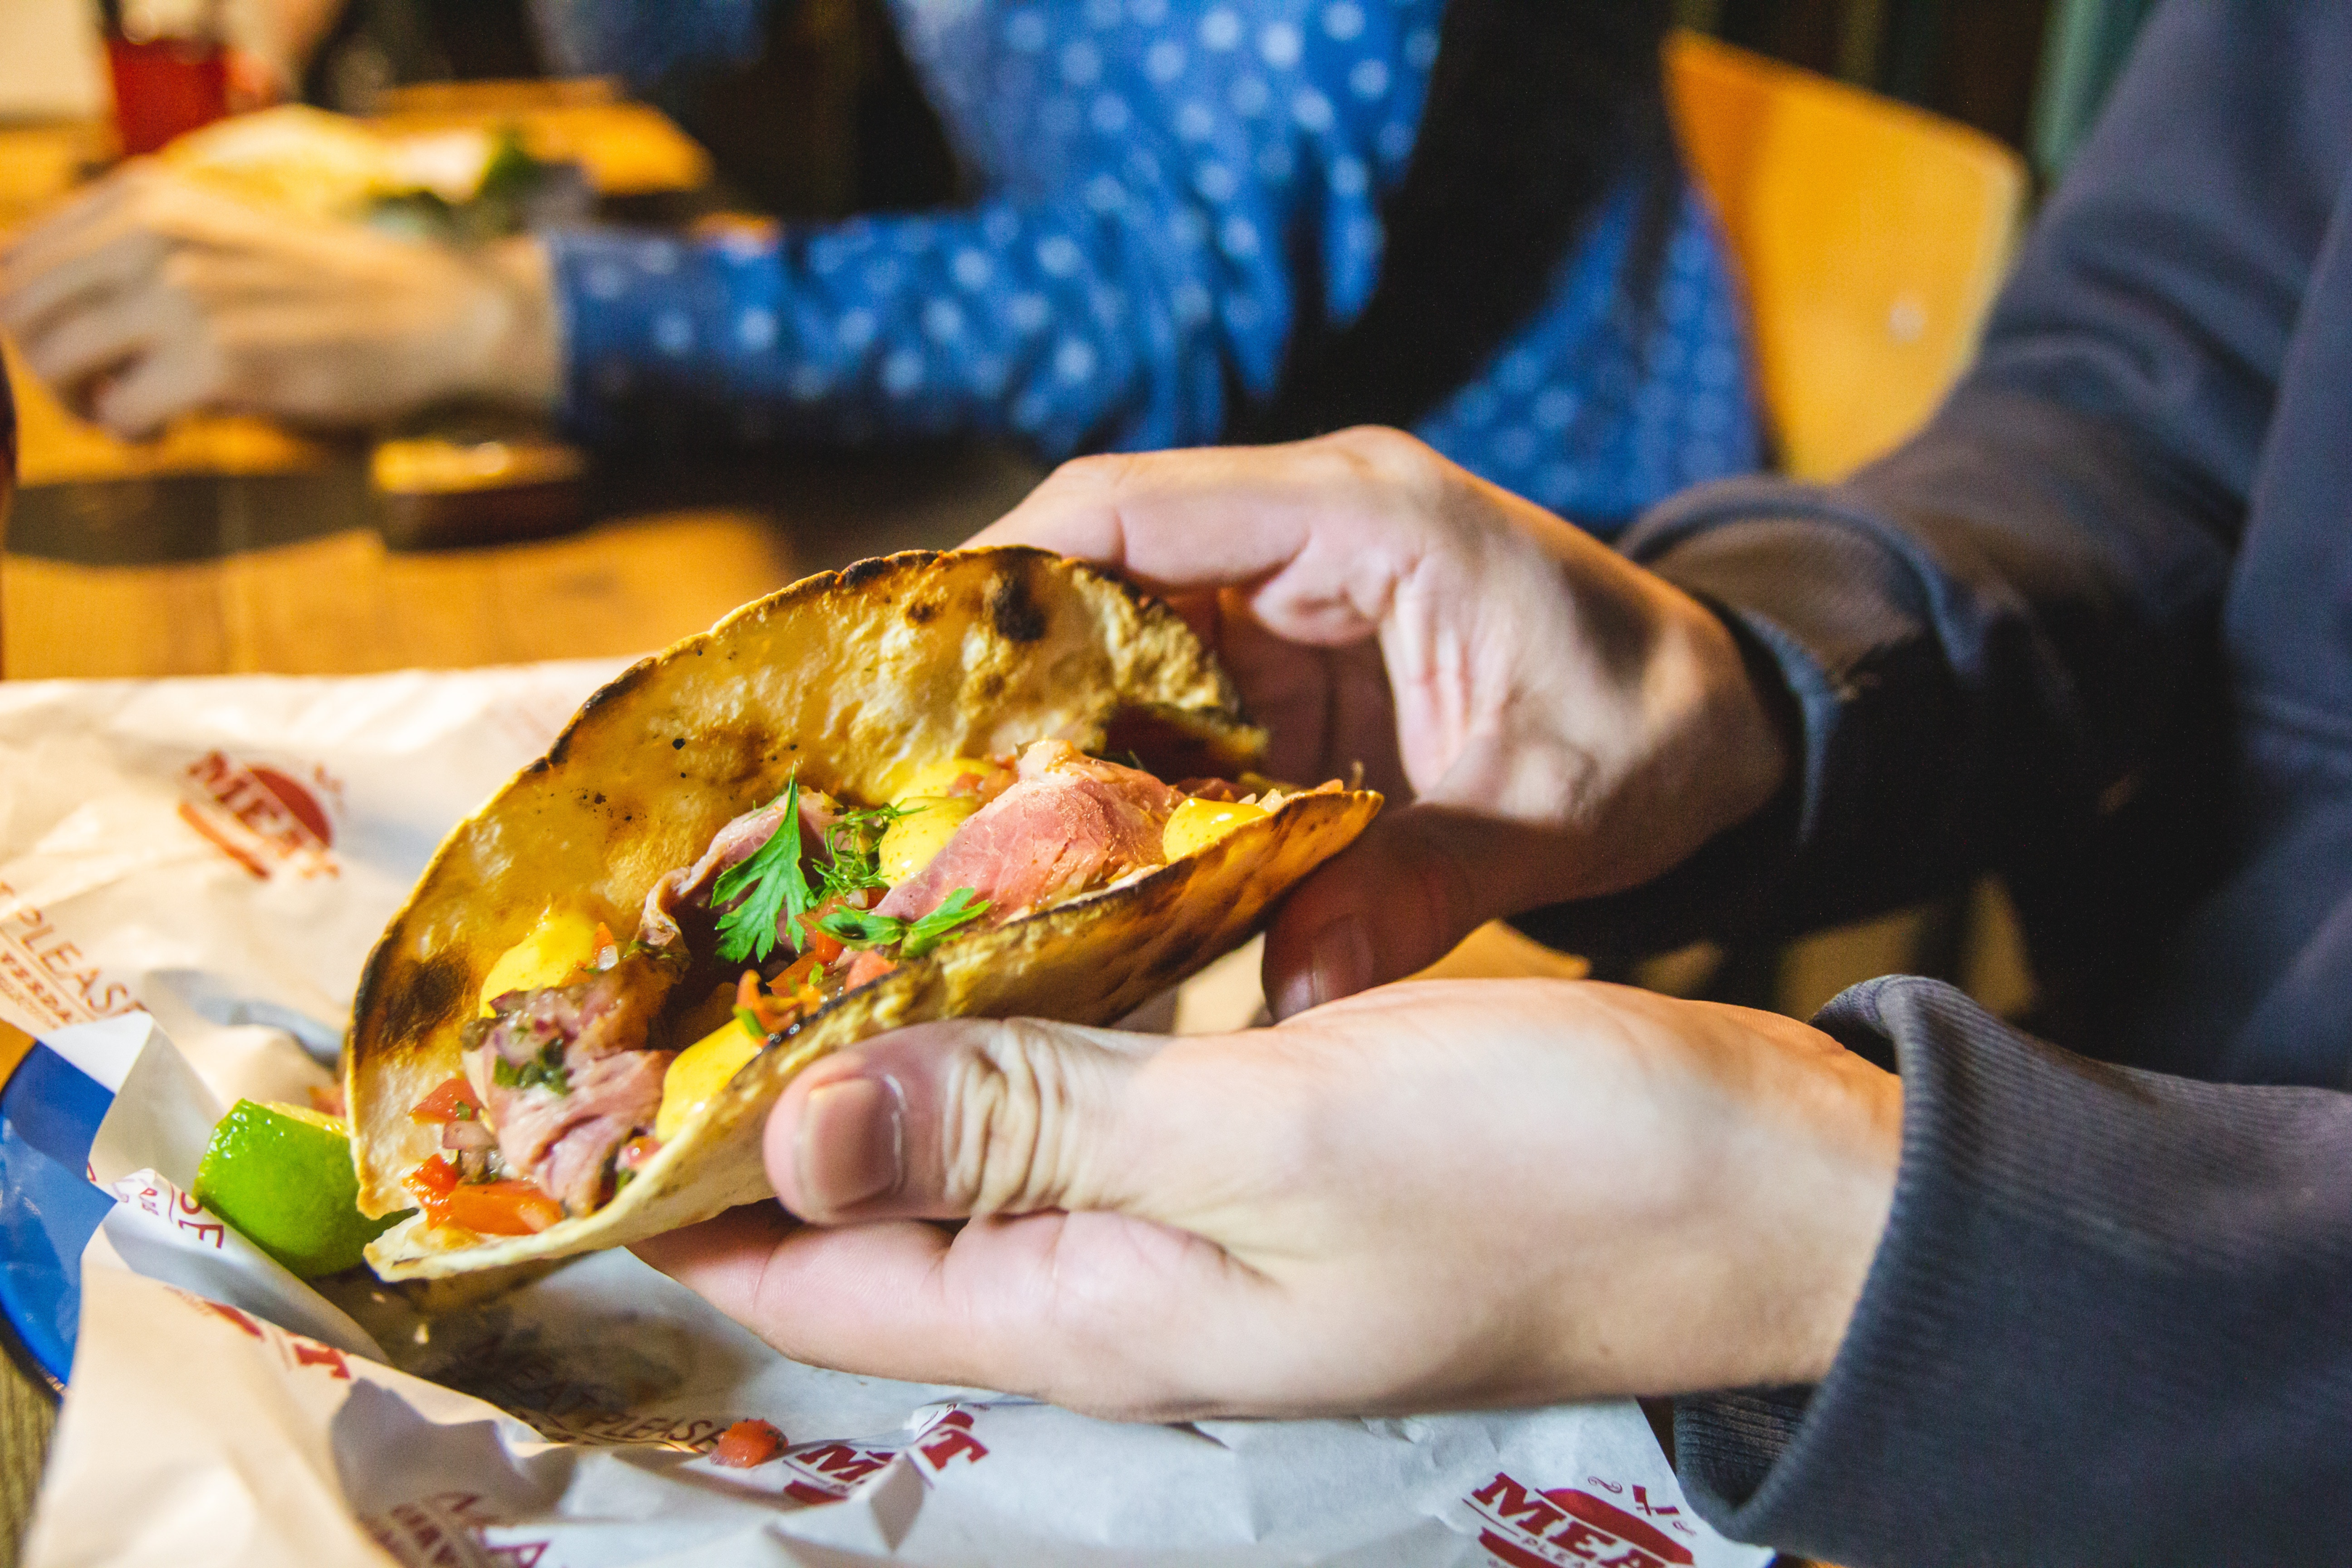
(2095,627)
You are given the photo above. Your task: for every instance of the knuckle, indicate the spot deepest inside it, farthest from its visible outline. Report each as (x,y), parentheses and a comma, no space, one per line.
(1096,475)
(1389,458)
(1011,1123)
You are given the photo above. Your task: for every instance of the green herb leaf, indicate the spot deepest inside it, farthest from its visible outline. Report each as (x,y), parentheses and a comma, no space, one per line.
(770,883)
(855,842)
(957,909)
(859,928)
(751,1022)
(547,1071)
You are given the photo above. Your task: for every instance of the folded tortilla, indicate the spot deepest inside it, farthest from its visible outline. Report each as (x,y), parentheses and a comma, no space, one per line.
(849,677)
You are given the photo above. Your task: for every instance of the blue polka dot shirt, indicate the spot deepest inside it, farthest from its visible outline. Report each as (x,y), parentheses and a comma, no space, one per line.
(1154,175)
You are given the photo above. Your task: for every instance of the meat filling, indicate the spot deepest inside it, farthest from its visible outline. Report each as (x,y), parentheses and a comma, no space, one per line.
(1069,822)
(564,1077)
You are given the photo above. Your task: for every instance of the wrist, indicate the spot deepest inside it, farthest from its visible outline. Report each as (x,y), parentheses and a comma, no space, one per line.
(1835,1184)
(1751,715)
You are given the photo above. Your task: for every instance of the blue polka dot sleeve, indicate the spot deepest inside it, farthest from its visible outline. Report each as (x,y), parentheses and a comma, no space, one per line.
(1156,177)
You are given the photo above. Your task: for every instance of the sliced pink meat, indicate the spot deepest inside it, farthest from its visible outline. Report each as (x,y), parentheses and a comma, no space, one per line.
(563,1141)
(597,1030)
(1068,822)
(609,1011)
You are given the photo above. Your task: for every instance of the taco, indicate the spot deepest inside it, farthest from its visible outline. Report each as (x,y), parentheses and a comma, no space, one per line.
(985,782)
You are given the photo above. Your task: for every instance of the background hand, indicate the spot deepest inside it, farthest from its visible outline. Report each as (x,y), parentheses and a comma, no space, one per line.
(150,295)
(1563,723)
(1438,1194)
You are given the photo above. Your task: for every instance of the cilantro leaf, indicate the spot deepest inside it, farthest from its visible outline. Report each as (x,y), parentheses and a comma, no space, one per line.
(769,883)
(858,928)
(957,909)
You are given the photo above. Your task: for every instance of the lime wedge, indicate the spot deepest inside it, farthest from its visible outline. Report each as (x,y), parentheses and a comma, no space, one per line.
(282,1175)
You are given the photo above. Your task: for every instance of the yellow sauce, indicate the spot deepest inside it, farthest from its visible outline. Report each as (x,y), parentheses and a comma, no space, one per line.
(913,780)
(564,943)
(1197,824)
(911,842)
(698,1073)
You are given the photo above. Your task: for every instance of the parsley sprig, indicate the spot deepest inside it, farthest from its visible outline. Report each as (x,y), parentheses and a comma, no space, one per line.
(860,928)
(855,842)
(770,883)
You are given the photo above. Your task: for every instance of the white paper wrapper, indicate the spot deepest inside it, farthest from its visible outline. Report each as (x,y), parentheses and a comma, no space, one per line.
(190,875)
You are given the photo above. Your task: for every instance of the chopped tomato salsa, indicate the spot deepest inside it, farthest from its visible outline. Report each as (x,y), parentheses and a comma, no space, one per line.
(816,943)
(452,1101)
(748,1443)
(770,1013)
(493,1209)
(867,965)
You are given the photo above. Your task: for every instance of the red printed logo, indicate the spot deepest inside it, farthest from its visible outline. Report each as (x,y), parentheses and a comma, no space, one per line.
(447,1530)
(261,818)
(167,1202)
(827,1472)
(294,1351)
(1564,1527)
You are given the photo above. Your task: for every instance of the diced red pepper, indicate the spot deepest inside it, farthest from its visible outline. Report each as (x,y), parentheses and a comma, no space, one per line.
(637,1153)
(432,1181)
(452,1101)
(748,1443)
(800,985)
(490,1208)
(501,1208)
(867,965)
(817,942)
(770,1013)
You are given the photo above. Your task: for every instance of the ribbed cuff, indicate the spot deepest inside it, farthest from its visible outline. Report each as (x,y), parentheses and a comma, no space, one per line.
(2109,1322)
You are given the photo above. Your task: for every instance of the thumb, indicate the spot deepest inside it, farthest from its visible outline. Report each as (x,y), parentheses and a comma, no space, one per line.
(960,1119)
(1399,898)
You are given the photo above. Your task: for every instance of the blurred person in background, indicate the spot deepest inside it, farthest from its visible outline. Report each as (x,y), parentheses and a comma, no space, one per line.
(2083,1296)
(1243,219)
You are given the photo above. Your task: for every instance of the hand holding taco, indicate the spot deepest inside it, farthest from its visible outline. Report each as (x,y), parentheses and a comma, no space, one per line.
(991,782)
(1563,723)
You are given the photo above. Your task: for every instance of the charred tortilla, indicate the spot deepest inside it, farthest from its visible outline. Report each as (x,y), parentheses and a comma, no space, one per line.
(842,682)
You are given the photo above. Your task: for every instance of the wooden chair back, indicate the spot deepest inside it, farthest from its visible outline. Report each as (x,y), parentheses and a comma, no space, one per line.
(1870,237)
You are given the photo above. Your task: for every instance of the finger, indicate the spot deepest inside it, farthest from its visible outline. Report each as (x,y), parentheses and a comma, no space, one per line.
(1415,883)
(74,348)
(34,296)
(1319,530)
(181,374)
(107,239)
(60,227)
(966,1118)
(1096,1312)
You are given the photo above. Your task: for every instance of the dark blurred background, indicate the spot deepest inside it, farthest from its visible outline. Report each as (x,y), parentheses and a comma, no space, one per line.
(2031,72)
(829,119)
